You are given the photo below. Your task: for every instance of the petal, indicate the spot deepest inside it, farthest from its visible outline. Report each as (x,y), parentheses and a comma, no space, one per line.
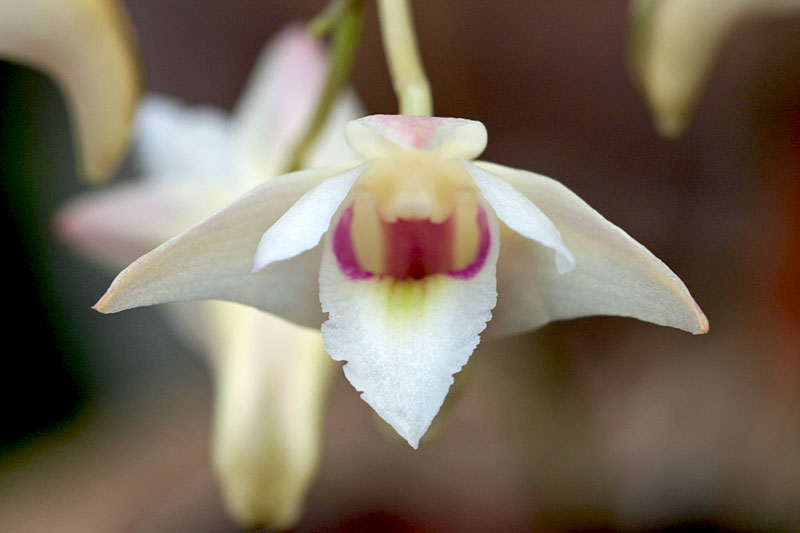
(519,214)
(404,340)
(383,135)
(613,275)
(172,139)
(87,48)
(673,45)
(303,225)
(279,101)
(121,223)
(271,387)
(213,259)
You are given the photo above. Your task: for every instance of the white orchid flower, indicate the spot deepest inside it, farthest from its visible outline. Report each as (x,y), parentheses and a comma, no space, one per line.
(87,48)
(673,46)
(271,375)
(403,250)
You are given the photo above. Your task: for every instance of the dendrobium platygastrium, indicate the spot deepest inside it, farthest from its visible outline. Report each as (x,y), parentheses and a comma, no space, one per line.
(411,251)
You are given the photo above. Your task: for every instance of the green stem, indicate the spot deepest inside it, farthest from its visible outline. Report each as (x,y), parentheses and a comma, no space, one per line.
(402,55)
(323,23)
(346,34)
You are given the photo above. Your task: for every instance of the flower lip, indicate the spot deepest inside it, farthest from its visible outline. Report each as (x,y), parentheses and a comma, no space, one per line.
(414,249)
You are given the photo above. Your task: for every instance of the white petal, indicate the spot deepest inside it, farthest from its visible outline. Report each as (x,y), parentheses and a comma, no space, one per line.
(404,340)
(279,101)
(173,139)
(519,214)
(613,275)
(117,225)
(213,259)
(303,225)
(383,135)
(87,47)
(271,387)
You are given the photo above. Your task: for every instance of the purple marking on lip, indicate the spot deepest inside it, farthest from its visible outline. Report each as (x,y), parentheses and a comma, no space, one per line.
(343,248)
(346,257)
(473,268)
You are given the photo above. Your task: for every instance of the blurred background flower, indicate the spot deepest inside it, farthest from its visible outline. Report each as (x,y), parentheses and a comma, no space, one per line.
(674,45)
(594,423)
(270,376)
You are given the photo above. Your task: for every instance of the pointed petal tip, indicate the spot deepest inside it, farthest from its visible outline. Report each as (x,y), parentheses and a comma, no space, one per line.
(109,302)
(407,429)
(261,259)
(520,214)
(565,260)
(670,127)
(302,226)
(411,435)
(703,326)
(693,319)
(100,305)
(267,253)
(404,424)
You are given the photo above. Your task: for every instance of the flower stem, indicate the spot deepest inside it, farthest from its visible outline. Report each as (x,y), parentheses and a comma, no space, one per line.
(346,24)
(402,55)
(324,22)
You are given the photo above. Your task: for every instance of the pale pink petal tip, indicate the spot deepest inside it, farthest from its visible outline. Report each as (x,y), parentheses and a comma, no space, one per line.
(101,304)
(702,319)
(296,41)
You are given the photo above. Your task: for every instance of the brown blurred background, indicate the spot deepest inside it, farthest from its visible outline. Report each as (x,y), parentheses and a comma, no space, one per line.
(597,423)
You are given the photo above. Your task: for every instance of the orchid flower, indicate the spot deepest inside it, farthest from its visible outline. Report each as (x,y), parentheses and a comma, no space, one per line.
(402,249)
(673,45)
(271,376)
(87,48)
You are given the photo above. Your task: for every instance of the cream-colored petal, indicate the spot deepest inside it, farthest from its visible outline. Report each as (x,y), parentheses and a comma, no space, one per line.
(386,135)
(271,385)
(213,259)
(279,101)
(519,214)
(87,47)
(404,339)
(613,275)
(302,226)
(117,225)
(673,46)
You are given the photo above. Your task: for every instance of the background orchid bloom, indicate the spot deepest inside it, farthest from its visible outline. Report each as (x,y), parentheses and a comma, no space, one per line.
(673,45)
(271,376)
(412,266)
(87,47)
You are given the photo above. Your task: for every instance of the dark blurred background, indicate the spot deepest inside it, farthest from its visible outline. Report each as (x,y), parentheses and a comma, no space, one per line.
(597,423)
